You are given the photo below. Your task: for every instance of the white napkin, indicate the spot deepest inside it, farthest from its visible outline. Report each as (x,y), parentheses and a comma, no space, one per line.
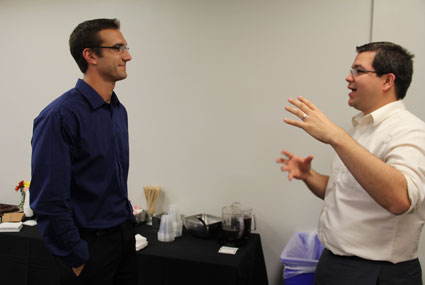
(228,250)
(10,227)
(30,223)
(141,242)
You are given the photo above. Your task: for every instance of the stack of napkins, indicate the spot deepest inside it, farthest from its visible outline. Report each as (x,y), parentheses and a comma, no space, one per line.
(141,242)
(10,227)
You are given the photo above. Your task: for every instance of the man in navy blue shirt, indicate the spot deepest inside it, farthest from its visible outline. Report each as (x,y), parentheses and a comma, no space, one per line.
(80,162)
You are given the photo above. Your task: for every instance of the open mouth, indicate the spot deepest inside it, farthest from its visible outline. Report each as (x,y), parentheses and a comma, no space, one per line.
(352,91)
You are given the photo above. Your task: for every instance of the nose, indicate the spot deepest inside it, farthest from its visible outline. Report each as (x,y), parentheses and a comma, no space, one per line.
(350,77)
(127,55)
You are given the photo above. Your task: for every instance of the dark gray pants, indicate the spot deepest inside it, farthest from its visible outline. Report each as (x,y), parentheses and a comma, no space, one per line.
(350,270)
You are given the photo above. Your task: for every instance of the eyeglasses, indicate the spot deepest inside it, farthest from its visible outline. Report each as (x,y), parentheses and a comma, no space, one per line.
(120,49)
(356,72)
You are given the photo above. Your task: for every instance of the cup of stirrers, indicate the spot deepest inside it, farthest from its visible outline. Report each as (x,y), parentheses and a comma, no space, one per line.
(151,195)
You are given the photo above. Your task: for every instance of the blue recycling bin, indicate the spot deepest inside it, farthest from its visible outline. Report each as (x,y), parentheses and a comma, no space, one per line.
(300,257)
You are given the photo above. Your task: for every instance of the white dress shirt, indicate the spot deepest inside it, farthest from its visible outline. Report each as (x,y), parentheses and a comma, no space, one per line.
(351,222)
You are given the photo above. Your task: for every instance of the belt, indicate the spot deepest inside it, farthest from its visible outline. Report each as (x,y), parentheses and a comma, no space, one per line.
(101,232)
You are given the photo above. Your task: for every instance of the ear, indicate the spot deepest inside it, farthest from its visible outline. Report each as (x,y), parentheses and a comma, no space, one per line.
(89,56)
(389,80)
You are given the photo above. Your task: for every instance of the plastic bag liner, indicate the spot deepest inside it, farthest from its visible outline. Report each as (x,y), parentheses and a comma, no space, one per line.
(301,254)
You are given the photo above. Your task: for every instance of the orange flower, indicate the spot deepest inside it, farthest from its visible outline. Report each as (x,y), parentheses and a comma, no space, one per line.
(20,186)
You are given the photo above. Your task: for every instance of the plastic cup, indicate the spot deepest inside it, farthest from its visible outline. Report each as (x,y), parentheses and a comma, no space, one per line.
(166,231)
(174,213)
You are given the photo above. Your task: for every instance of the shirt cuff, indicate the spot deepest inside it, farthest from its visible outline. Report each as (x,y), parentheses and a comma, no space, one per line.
(78,257)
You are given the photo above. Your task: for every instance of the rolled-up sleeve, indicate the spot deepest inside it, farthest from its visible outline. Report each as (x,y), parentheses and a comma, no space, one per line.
(407,154)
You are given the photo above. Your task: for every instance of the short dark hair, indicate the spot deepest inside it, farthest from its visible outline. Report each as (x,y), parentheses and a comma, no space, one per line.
(86,35)
(392,58)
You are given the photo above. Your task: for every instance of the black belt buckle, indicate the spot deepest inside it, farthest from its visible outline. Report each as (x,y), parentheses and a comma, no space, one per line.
(100,232)
(103,232)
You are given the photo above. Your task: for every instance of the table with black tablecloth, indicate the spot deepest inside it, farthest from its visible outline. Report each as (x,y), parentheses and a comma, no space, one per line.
(188,260)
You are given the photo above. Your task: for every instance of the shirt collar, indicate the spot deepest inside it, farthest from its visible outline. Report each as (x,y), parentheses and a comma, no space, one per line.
(93,97)
(377,116)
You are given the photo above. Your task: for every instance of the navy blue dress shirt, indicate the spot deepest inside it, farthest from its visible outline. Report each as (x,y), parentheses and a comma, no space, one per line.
(80,161)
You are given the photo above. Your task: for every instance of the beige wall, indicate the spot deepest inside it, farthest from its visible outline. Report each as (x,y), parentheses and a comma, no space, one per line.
(205,93)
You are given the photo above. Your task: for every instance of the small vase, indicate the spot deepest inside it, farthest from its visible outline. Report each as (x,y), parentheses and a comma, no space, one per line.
(27,209)
(21,205)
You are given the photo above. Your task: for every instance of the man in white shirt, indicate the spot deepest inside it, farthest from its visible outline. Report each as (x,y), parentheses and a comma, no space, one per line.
(373,209)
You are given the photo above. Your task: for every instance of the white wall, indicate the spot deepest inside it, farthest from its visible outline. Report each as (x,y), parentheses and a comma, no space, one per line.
(205,94)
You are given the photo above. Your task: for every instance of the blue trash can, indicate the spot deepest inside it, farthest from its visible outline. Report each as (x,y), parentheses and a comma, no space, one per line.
(300,257)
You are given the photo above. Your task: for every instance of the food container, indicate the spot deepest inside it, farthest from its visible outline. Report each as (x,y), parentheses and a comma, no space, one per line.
(140,216)
(203,225)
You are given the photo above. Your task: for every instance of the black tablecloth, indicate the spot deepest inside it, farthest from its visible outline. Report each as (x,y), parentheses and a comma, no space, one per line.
(188,260)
